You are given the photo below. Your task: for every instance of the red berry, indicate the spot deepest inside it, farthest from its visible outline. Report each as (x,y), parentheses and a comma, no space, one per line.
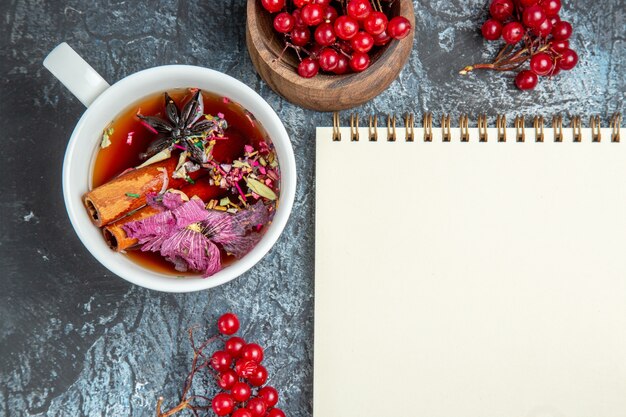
(308,68)
(562,31)
(543,29)
(513,32)
(297,15)
(555,71)
(330,14)
(382,39)
(301,3)
(328,59)
(492,30)
(560,46)
(533,16)
(258,377)
(375,23)
(551,7)
(324,34)
(244,367)
(284,22)
(541,63)
(399,27)
(346,27)
(362,42)
(242,412)
(554,20)
(342,65)
(257,407)
(300,36)
(273,6)
(312,14)
(252,352)
(228,324)
(222,404)
(234,345)
(241,391)
(269,395)
(359,9)
(568,60)
(526,80)
(501,9)
(227,379)
(322,2)
(221,361)
(275,412)
(359,61)
(527,3)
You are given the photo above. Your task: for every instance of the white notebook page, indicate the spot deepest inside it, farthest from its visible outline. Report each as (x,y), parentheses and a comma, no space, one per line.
(470,279)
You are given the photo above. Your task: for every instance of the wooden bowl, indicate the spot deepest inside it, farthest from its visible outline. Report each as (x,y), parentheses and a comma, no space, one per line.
(323,92)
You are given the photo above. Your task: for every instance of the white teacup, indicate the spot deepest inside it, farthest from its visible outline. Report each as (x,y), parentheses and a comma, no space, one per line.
(104,103)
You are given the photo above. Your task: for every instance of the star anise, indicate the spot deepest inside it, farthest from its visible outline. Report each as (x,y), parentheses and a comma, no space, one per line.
(186,128)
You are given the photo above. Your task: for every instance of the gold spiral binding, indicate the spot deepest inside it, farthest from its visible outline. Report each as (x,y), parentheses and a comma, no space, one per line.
(409,126)
(354,127)
(482,128)
(372,128)
(595,125)
(391,128)
(616,125)
(428,127)
(520,129)
(445,128)
(557,125)
(596,134)
(501,127)
(576,125)
(336,131)
(538,125)
(464,126)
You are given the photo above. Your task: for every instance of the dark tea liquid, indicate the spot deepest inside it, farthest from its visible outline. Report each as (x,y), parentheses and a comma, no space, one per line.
(124,153)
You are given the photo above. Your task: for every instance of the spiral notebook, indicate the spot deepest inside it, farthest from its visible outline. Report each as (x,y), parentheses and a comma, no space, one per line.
(470,272)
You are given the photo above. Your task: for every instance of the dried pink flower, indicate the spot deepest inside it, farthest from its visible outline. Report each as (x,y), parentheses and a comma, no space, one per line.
(188,235)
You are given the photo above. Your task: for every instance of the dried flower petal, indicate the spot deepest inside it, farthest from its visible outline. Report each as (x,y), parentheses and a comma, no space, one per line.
(194,248)
(172,200)
(190,212)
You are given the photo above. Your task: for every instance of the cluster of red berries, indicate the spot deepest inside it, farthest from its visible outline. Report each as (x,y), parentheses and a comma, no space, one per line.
(241,376)
(335,43)
(542,37)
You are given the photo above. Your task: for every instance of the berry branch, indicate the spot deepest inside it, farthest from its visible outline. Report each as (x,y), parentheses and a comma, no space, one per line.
(532,31)
(237,371)
(186,402)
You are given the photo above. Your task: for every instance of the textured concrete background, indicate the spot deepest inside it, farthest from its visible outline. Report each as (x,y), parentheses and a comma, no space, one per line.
(77,340)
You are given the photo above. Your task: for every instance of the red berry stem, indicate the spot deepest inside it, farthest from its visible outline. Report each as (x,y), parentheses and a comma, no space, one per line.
(509,61)
(185,401)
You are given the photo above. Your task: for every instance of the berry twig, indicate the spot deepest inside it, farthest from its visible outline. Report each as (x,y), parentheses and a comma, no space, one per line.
(186,402)
(536,30)
(507,61)
(236,369)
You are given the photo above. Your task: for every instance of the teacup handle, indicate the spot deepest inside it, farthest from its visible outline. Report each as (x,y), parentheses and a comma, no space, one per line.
(75,73)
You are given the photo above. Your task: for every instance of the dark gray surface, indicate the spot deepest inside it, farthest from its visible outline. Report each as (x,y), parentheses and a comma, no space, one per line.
(77,340)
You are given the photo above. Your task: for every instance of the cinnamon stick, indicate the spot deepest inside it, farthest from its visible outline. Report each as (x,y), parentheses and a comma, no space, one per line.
(127,192)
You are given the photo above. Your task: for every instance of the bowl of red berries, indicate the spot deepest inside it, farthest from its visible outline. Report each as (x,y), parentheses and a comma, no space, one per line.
(329,55)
